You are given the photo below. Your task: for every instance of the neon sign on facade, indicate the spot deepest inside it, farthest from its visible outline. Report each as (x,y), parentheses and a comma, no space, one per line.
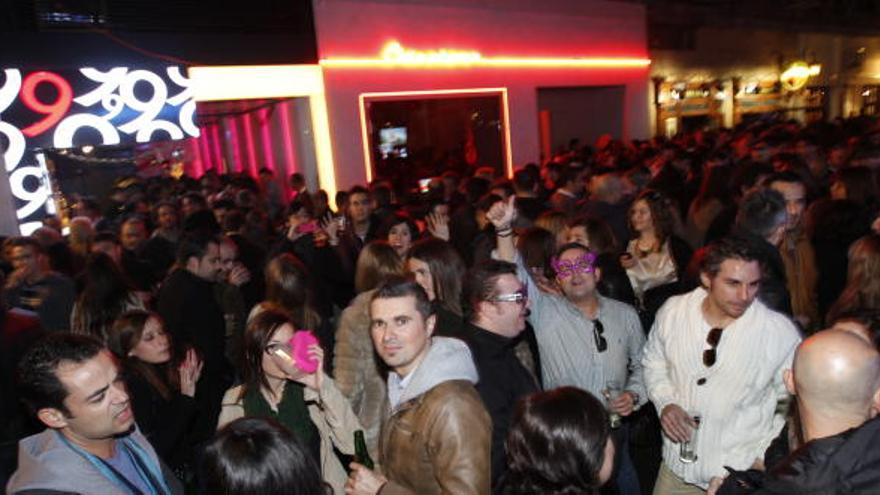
(121,105)
(394,54)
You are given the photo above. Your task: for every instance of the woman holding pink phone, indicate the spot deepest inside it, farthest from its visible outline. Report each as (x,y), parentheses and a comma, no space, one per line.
(276,386)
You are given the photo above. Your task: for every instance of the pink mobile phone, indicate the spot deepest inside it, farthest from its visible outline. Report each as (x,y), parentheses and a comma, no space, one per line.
(307,228)
(299,344)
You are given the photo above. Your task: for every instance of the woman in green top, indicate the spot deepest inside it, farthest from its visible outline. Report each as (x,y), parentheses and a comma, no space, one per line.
(309,405)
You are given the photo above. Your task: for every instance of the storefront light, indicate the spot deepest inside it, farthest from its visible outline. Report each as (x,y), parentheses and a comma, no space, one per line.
(395,55)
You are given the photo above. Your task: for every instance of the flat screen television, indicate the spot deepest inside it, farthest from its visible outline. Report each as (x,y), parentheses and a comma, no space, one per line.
(392,142)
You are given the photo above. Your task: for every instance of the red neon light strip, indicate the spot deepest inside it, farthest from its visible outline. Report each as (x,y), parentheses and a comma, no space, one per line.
(265,132)
(220,164)
(206,148)
(197,166)
(249,142)
(233,141)
(288,138)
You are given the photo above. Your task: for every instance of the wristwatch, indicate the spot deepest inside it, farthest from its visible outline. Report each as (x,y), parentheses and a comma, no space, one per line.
(635,397)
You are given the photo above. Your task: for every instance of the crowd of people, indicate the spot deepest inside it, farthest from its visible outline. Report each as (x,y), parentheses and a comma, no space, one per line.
(699,314)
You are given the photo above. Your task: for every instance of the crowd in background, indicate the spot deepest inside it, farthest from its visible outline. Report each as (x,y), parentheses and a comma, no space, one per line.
(567,277)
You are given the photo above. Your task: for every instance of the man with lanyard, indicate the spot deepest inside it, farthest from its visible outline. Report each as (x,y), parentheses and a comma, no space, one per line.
(584,339)
(91,444)
(717,353)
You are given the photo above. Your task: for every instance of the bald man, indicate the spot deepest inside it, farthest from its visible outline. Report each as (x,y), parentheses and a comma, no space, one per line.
(836,381)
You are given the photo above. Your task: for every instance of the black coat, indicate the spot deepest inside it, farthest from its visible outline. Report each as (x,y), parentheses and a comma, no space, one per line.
(847,463)
(193,317)
(503,381)
(165,423)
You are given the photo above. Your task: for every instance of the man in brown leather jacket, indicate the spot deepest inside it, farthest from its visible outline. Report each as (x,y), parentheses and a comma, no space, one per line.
(437,437)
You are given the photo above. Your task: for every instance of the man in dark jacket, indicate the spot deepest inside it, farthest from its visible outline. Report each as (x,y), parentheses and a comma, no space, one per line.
(836,379)
(761,220)
(193,317)
(499,308)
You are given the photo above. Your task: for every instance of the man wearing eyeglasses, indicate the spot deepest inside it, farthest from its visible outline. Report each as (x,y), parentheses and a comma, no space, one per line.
(718,353)
(500,305)
(584,339)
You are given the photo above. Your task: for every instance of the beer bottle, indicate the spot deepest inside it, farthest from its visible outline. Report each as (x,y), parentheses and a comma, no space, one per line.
(361,455)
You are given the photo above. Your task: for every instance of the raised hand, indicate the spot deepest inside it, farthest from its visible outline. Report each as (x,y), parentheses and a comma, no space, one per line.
(239,275)
(190,371)
(502,214)
(438,225)
(332,227)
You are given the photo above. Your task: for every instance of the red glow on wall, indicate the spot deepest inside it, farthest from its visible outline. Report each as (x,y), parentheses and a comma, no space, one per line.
(267,139)
(198,167)
(249,143)
(232,130)
(54,111)
(220,164)
(208,159)
(288,137)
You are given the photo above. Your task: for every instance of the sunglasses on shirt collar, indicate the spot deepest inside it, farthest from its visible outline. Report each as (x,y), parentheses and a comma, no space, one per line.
(710,355)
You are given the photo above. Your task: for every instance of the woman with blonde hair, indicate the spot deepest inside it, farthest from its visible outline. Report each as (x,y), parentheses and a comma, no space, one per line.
(355,363)
(862,291)
(556,222)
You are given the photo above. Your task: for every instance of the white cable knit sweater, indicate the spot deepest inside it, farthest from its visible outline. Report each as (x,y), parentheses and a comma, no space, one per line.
(739,397)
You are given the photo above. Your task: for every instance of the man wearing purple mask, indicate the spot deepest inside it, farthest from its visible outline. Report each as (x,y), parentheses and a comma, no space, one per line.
(584,339)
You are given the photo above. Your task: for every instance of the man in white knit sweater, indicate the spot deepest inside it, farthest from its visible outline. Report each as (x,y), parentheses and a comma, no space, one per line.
(719,353)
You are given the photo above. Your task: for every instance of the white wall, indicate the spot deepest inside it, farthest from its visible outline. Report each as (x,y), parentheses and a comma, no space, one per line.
(560,28)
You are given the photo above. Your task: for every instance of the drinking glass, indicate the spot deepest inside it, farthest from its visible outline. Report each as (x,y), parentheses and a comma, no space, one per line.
(612,391)
(687,452)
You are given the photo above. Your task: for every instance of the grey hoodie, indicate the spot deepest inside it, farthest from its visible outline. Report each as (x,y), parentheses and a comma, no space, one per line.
(48,467)
(447,359)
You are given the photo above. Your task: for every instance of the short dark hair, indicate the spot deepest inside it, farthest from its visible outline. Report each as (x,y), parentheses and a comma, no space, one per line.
(762,211)
(297,204)
(570,245)
(25,241)
(36,376)
(730,247)
(194,245)
(106,236)
(394,220)
(358,190)
(556,443)
(397,286)
(482,278)
(194,197)
(786,176)
(381,195)
(256,455)
(523,180)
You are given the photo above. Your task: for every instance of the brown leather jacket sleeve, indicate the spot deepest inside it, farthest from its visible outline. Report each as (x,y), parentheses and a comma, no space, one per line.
(459,437)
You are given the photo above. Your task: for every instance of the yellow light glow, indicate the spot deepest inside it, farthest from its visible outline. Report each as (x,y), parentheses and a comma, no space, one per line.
(245,82)
(797,74)
(394,95)
(395,55)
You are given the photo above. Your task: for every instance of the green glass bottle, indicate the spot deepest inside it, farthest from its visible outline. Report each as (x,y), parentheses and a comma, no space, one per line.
(361,455)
